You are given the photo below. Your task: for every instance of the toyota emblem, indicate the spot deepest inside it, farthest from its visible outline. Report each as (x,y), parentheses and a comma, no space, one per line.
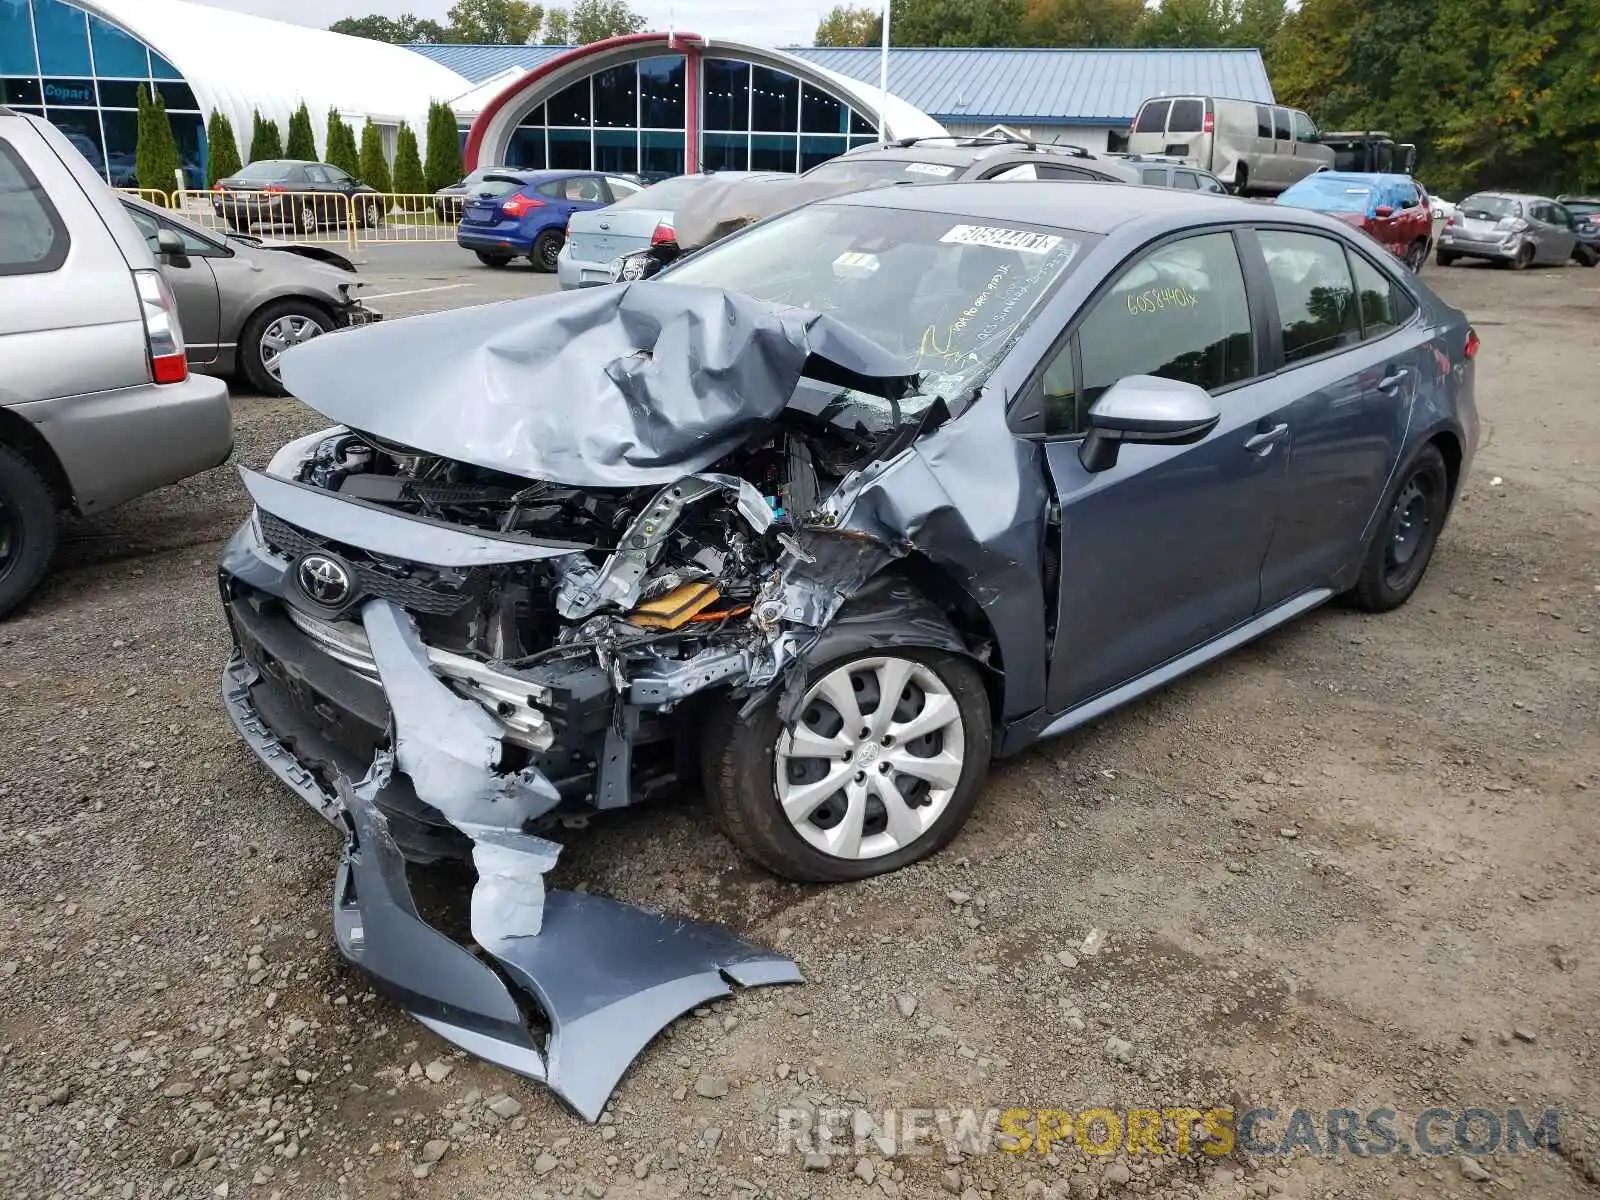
(324,580)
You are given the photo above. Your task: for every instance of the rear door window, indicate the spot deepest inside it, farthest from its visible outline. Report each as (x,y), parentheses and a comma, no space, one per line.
(1263,121)
(33,240)
(1051,171)
(1154,176)
(1385,306)
(1188,116)
(1186,179)
(1280,124)
(1152,117)
(1314,293)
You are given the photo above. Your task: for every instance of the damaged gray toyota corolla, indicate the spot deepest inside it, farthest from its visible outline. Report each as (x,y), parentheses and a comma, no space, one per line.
(828,515)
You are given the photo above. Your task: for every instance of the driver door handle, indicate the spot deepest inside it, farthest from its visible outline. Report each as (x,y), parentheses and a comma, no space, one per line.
(1261,442)
(1394,379)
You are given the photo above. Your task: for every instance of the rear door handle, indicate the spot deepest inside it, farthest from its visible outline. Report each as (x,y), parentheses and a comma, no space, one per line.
(1394,379)
(1266,439)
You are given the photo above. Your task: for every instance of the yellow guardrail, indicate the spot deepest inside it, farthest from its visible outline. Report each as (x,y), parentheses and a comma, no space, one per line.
(333,218)
(150,195)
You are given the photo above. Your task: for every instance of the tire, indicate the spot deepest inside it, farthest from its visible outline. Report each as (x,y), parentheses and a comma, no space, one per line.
(493,260)
(29,527)
(546,249)
(305,216)
(741,761)
(1416,256)
(1585,256)
(1241,180)
(1523,259)
(257,367)
(1420,499)
(369,215)
(1443,257)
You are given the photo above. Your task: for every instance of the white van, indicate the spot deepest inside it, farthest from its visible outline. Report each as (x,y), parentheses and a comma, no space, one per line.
(1255,148)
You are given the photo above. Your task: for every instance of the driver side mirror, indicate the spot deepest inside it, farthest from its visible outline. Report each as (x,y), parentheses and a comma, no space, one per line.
(1147,409)
(170,247)
(1385,211)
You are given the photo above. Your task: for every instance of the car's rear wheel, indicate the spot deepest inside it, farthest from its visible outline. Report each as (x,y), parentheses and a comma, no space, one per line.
(28,529)
(274,329)
(305,217)
(1402,547)
(881,766)
(546,250)
(369,213)
(1416,255)
(493,260)
(1585,256)
(1443,257)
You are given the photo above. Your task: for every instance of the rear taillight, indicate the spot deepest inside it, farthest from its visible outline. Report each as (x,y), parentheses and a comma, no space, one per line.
(163,334)
(1210,125)
(664,233)
(519,204)
(275,188)
(1471,348)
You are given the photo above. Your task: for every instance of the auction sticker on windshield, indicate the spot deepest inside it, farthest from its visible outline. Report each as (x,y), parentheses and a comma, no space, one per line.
(1002,239)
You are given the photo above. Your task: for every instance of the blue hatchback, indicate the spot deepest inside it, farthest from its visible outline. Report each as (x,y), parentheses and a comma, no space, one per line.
(514,213)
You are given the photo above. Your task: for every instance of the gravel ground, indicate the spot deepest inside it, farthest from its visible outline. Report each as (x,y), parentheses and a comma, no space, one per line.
(1354,864)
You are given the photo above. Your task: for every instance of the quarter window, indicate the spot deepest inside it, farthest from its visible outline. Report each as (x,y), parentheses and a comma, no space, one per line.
(1154,176)
(32,238)
(1314,293)
(1180,313)
(1385,306)
(1263,121)
(1280,122)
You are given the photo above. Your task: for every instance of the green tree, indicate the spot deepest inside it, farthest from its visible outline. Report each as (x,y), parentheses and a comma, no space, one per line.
(495,22)
(1096,23)
(590,21)
(1188,24)
(1257,22)
(222,151)
(847,25)
(341,143)
(374,170)
(408,179)
(266,141)
(156,153)
(956,22)
(444,165)
(401,30)
(302,141)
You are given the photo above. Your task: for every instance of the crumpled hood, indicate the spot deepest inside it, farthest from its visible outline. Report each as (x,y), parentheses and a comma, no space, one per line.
(620,386)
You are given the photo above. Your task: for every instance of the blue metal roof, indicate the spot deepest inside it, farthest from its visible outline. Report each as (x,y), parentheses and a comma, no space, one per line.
(477,63)
(1049,87)
(1040,87)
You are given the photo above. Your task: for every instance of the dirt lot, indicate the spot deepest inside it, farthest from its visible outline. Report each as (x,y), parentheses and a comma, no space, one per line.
(1353,865)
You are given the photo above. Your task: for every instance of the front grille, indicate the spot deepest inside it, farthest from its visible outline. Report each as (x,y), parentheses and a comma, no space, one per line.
(411,594)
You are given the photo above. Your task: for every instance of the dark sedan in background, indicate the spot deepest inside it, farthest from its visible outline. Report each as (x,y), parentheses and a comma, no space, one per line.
(304,196)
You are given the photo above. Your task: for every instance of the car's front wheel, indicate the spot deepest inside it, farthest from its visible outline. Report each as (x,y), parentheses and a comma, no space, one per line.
(546,250)
(880,767)
(28,529)
(493,260)
(1402,547)
(271,331)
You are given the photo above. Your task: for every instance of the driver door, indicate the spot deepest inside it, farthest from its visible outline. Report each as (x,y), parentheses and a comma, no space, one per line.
(1163,551)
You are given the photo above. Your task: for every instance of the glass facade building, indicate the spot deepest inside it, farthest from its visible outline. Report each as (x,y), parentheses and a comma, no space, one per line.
(634,116)
(83,74)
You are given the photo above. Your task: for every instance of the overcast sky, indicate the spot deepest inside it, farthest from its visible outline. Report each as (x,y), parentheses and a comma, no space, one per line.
(770,24)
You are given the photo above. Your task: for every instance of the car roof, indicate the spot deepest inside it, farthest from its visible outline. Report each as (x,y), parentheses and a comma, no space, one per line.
(964,151)
(1359,177)
(1087,207)
(1505,195)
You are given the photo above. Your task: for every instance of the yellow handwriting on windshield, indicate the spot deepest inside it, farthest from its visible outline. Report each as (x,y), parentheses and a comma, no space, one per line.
(1154,300)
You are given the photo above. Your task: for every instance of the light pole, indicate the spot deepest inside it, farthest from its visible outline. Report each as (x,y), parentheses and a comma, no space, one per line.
(883,81)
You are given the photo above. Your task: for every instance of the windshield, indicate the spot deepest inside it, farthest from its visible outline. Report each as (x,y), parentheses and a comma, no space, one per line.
(667,195)
(1328,195)
(845,170)
(946,293)
(1583,208)
(262,172)
(1490,208)
(495,185)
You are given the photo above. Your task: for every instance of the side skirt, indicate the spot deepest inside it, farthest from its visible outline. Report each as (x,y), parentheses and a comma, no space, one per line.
(1089,710)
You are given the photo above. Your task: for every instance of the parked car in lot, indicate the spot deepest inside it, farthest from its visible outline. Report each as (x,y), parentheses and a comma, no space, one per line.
(448,201)
(1170,172)
(1585,212)
(523,214)
(97,404)
(305,196)
(1257,149)
(1393,209)
(839,561)
(597,238)
(244,300)
(946,159)
(1511,229)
